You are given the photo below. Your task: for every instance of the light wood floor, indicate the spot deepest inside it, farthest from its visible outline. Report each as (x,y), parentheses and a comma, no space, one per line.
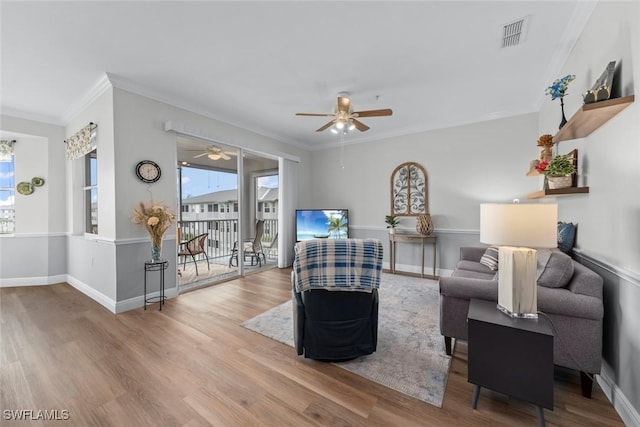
(192,364)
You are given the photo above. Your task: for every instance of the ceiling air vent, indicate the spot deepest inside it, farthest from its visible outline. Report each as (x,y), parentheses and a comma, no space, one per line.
(513,33)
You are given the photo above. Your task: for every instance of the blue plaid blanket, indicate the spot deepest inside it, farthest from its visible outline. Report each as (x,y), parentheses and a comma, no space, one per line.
(338,265)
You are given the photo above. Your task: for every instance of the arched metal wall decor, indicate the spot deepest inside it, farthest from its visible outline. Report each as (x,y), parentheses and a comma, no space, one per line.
(409,190)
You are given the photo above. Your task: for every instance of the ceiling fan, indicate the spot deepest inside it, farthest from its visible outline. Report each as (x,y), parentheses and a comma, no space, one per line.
(344,118)
(215,153)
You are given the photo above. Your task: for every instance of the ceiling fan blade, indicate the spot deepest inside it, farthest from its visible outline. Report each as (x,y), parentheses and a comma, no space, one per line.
(360,126)
(224,156)
(314,114)
(344,104)
(201,154)
(326,126)
(374,113)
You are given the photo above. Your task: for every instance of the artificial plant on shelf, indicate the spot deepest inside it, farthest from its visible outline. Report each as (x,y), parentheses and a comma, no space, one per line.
(558,89)
(561,165)
(558,171)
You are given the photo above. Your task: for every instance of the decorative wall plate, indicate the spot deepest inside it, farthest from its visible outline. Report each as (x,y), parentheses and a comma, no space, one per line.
(37,181)
(25,188)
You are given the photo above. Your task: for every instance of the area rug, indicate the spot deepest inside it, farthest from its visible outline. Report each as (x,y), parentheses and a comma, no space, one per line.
(410,357)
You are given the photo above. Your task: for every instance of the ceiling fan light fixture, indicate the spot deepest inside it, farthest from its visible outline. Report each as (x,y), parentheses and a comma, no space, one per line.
(213,156)
(340,124)
(351,126)
(334,130)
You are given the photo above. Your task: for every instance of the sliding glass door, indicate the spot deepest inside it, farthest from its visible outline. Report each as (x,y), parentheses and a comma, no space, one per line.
(228,212)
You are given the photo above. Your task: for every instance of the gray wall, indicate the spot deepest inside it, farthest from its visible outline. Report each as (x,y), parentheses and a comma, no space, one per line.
(608,217)
(466,165)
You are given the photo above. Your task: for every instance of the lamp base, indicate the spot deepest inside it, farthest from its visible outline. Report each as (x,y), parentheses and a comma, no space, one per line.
(517,287)
(517,315)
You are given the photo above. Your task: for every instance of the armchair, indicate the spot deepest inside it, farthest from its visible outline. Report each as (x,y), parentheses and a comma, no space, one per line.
(334,287)
(192,248)
(252,247)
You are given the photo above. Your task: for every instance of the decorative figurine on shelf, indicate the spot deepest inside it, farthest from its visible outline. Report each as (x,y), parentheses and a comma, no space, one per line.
(558,90)
(546,142)
(601,89)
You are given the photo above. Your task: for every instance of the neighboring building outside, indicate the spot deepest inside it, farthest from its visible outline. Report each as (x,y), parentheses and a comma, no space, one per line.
(217,214)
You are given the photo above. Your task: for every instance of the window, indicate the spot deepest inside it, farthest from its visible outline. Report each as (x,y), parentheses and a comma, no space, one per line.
(215,207)
(235,207)
(267,208)
(185,208)
(91,192)
(7,193)
(210,207)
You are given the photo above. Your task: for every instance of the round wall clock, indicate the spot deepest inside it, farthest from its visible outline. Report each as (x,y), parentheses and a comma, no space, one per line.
(148,171)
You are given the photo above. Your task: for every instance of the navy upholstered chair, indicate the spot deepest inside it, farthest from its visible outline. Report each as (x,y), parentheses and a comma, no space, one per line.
(335,297)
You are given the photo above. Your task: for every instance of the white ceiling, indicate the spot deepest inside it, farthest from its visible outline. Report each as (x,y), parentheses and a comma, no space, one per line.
(255,64)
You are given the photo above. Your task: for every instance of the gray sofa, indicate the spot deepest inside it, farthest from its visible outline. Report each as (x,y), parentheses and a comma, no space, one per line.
(568,292)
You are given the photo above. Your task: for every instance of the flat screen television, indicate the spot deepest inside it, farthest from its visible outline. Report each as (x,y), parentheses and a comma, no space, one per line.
(322,224)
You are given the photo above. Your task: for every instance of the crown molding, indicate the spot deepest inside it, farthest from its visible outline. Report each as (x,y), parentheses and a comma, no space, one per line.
(84,101)
(27,115)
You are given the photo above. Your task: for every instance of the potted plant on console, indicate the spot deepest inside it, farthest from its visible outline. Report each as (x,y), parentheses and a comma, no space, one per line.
(392,222)
(558,171)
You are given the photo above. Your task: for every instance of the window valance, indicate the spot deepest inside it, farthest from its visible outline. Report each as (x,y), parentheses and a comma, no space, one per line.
(82,142)
(6,149)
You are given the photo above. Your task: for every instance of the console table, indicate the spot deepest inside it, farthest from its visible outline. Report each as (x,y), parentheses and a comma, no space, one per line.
(412,238)
(511,356)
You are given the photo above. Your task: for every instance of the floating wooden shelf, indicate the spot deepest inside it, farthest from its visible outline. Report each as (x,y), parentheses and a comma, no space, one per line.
(590,117)
(559,192)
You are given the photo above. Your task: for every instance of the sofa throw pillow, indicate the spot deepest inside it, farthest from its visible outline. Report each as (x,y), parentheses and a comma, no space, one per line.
(490,258)
(566,236)
(557,272)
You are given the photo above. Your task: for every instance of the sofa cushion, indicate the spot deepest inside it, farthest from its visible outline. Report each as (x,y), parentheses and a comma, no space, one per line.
(566,236)
(471,274)
(474,266)
(490,258)
(557,271)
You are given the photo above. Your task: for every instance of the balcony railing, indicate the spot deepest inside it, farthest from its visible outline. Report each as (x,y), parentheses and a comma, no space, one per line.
(222,234)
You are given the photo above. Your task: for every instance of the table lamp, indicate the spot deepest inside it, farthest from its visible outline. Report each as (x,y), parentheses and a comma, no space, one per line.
(516,229)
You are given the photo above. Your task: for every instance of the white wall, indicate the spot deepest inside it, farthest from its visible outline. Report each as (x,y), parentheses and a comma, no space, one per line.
(36,253)
(608,217)
(466,165)
(91,260)
(139,134)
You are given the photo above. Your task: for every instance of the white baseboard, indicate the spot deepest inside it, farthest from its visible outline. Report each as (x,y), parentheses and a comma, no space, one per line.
(97,296)
(625,409)
(33,281)
(416,269)
(137,302)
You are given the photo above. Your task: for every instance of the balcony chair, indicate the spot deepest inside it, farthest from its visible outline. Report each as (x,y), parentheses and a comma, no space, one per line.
(334,287)
(271,247)
(252,247)
(192,248)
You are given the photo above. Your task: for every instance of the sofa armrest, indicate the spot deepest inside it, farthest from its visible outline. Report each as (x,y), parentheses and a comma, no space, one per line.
(585,281)
(471,253)
(467,288)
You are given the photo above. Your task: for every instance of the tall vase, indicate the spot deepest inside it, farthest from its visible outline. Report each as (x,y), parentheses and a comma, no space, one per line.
(156,250)
(564,119)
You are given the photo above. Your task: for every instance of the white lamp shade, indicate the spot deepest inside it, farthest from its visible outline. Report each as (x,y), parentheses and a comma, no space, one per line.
(528,225)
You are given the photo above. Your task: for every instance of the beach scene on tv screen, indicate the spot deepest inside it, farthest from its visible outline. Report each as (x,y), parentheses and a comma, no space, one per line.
(321,224)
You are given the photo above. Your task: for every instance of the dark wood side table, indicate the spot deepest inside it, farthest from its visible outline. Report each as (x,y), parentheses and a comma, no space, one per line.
(510,356)
(160,266)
